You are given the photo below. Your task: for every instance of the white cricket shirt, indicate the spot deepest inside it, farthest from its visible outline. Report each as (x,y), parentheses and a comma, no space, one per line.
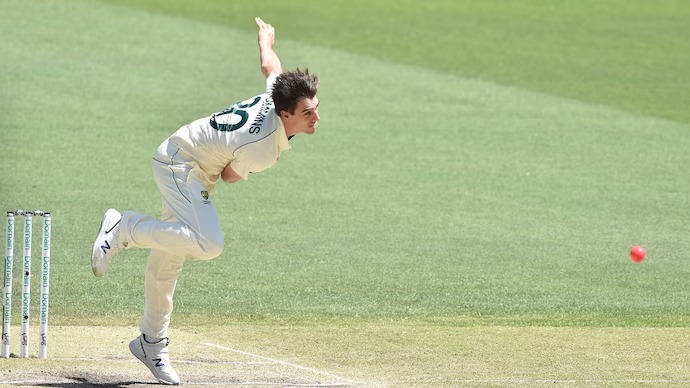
(249,135)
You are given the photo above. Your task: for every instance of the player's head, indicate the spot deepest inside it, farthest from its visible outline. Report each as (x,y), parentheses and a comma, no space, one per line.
(294,96)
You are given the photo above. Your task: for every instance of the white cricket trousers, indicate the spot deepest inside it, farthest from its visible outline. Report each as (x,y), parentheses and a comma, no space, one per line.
(189,228)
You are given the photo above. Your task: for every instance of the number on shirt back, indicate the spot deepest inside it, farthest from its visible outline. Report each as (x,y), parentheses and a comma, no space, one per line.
(237,109)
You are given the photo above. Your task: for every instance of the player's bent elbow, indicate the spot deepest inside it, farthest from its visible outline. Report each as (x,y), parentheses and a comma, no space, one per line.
(229,175)
(232,179)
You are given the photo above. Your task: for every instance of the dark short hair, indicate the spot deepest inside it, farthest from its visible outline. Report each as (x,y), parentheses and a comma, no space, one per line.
(291,87)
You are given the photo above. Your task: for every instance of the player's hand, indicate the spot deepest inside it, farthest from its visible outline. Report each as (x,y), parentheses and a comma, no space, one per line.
(267,34)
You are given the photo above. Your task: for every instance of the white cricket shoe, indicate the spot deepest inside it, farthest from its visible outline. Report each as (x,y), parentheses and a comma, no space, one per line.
(106,245)
(155,357)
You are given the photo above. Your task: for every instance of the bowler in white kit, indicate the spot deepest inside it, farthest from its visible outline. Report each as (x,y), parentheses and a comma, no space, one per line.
(246,138)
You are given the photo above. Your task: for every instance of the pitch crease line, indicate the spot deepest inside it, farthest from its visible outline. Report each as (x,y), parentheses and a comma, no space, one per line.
(205,384)
(245,383)
(312,370)
(200,362)
(527,381)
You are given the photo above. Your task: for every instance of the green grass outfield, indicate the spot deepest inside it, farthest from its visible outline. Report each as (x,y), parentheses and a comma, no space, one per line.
(462,216)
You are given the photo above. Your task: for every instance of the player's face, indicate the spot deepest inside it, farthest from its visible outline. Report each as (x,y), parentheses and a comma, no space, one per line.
(306,117)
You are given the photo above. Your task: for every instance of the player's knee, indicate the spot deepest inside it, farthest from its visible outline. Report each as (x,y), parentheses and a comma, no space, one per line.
(211,247)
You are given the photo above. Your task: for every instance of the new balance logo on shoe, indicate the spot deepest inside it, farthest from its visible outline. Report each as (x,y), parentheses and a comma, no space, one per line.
(113,227)
(105,246)
(159,362)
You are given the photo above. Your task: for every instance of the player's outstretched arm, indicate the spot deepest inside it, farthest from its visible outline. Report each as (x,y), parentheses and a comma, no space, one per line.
(269,59)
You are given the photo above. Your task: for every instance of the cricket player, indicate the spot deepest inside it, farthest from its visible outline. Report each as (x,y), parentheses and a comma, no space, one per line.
(246,138)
